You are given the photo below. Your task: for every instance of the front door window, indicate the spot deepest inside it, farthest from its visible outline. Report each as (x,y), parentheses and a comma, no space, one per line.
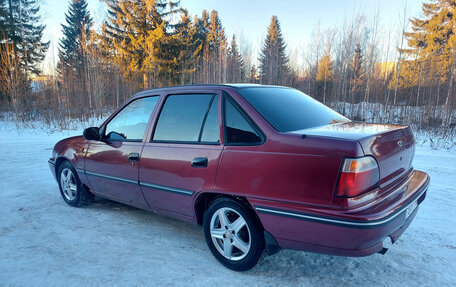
(131,122)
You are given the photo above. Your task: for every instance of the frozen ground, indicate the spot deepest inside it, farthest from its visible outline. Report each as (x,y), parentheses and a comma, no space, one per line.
(44,242)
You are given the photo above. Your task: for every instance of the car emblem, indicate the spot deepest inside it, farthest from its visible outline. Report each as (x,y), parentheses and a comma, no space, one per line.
(399,143)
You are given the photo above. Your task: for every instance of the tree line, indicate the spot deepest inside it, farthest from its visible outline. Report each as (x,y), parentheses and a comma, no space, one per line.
(415,87)
(21,51)
(144,44)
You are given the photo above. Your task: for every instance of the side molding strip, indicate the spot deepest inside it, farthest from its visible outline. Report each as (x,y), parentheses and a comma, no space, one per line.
(166,188)
(341,222)
(111,177)
(144,184)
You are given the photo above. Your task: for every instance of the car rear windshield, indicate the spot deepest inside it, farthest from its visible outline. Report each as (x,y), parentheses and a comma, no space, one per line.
(288,109)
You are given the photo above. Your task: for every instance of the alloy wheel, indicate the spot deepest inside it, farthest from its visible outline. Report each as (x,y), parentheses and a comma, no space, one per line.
(68,184)
(230,234)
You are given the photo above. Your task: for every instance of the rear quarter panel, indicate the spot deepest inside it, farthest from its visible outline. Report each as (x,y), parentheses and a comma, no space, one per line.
(286,167)
(282,171)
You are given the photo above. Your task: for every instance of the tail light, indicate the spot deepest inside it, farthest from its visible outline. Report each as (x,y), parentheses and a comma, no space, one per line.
(358,175)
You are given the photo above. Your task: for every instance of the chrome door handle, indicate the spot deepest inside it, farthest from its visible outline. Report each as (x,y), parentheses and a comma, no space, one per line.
(134,156)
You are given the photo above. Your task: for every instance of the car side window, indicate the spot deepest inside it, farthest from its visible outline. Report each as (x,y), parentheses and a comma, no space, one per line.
(131,122)
(188,118)
(238,129)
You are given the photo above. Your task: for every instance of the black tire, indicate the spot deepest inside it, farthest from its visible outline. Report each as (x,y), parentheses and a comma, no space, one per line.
(250,235)
(74,196)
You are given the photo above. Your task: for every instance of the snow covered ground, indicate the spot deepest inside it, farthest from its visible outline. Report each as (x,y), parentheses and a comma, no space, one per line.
(44,242)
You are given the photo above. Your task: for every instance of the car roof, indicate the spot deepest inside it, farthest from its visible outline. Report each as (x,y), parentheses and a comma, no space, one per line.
(198,86)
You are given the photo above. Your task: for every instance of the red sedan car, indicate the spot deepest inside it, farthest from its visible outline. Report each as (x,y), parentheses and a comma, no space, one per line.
(260,167)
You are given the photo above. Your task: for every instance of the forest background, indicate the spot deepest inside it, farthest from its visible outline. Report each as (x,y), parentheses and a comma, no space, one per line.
(409,78)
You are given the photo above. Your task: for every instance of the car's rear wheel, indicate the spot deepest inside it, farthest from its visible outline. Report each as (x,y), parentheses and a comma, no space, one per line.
(233,234)
(69,184)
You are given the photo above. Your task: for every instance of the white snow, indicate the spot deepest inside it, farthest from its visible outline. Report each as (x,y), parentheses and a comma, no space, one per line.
(45,242)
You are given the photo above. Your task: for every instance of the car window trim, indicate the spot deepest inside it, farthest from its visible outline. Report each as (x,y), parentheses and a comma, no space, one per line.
(205,118)
(227,97)
(213,93)
(105,124)
(125,140)
(185,142)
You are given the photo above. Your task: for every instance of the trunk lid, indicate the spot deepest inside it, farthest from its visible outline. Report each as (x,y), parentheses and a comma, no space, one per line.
(391,145)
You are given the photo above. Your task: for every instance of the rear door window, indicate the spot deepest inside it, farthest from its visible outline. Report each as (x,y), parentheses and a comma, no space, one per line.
(189,118)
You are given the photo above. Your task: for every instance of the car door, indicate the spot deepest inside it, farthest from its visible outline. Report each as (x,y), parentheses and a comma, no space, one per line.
(182,156)
(112,164)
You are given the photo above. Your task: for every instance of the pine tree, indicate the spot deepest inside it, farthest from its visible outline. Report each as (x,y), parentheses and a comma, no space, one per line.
(75,34)
(357,71)
(216,42)
(3,35)
(432,45)
(211,66)
(138,34)
(25,31)
(190,47)
(273,58)
(202,29)
(3,21)
(325,73)
(235,64)
(253,75)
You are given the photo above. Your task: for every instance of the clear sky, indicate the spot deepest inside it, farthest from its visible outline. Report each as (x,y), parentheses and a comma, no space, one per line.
(248,19)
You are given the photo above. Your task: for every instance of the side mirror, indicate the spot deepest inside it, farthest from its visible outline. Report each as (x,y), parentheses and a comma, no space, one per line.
(92,133)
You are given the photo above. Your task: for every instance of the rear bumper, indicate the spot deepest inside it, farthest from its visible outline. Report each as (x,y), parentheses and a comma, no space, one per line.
(357,232)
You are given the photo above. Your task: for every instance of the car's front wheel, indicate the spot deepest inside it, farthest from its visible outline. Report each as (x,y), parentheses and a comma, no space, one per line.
(233,234)
(69,184)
